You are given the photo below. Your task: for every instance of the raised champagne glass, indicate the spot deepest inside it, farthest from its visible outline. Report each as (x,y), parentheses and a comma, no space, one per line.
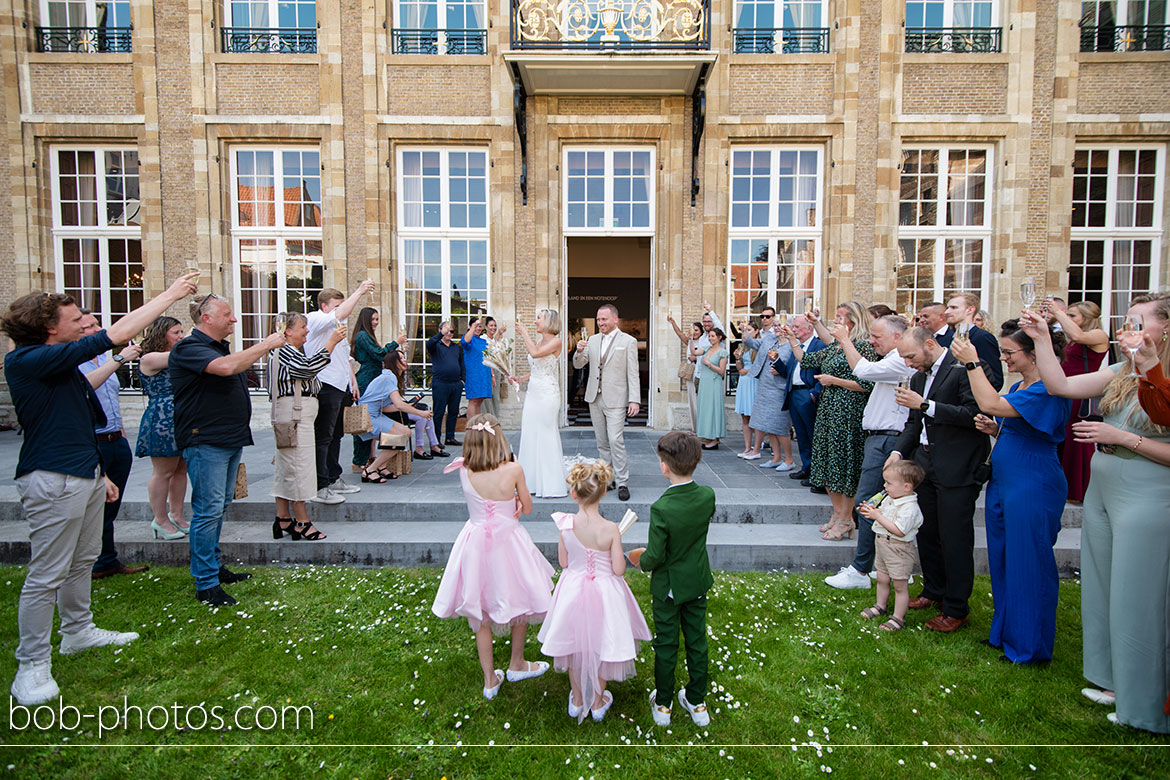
(1131,334)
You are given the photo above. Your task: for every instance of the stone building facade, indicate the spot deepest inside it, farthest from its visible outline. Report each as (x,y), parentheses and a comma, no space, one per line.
(864,151)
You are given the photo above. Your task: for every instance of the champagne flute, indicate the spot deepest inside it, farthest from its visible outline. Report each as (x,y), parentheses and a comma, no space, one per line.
(1131,334)
(904,384)
(964,332)
(1028,291)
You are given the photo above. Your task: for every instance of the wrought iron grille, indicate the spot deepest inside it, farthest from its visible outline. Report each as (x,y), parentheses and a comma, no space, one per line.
(83,39)
(956,40)
(1127,37)
(789,40)
(611,25)
(269,40)
(439,41)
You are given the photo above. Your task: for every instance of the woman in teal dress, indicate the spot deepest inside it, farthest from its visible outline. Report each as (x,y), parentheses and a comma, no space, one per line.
(838,441)
(365,350)
(1125,533)
(1025,497)
(712,420)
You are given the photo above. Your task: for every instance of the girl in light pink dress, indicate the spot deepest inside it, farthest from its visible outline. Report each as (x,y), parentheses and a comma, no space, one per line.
(495,576)
(594,624)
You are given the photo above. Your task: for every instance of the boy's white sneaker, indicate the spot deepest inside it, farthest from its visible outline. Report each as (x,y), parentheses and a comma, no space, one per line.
(698,712)
(94,637)
(660,712)
(848,578)
(34,683)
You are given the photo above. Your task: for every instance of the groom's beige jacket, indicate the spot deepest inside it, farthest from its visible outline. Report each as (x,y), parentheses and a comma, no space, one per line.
(617,369)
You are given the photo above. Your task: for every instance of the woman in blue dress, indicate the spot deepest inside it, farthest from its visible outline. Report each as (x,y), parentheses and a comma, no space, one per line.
(156,431)
(477,384)
(1025,497)
(745,389)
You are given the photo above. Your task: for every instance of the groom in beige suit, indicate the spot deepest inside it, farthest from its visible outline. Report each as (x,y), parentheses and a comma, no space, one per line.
(613,392)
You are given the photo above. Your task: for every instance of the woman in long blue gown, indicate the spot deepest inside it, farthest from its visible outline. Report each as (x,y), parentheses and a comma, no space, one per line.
(1025,497)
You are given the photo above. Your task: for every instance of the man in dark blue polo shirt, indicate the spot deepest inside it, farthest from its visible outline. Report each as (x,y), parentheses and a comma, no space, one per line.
(59,473)
(213,416)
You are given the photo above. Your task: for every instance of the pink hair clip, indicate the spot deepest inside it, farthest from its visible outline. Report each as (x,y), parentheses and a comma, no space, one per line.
(483,426)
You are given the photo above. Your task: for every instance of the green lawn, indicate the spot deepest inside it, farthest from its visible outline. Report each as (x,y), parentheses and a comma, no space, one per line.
(793,667)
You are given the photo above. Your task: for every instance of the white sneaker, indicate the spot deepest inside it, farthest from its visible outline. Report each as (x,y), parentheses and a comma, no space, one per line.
(660,712)
(34,683)
(94,637)
(340,486)
(848,578)
(698,713)
(752,456)
(327,496)
(1099,696)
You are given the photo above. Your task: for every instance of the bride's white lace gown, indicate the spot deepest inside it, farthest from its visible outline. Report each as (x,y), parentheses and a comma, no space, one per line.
(540,434)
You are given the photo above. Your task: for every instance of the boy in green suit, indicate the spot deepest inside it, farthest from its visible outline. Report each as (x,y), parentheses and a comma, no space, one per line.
(676,557)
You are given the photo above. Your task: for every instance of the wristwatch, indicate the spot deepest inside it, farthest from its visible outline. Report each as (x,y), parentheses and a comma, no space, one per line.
(119,359)
(974,364)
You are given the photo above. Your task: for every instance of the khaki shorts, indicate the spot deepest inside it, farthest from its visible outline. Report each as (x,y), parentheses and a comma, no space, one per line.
(893,557)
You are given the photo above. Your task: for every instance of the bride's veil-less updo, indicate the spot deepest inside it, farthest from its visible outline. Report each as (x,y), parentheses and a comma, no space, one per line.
(552,321)
(589,480)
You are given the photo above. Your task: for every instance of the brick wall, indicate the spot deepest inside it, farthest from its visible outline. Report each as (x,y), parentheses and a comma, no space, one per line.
(460,90)
(781,89)
(608,106)
(175,122)
(98,88)
(267,89)
(1123,88)
(956,88)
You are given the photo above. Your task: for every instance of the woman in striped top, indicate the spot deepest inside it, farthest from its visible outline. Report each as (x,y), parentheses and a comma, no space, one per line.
(295,480)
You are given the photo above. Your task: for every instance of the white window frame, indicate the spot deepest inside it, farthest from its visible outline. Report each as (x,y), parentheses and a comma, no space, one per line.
(1122,9)
(949,13)
(444,234)
(607,218)
(277,233)
(101,233)
(90,11)
(273,16)
(1110,232)
(773,232)
(942,232)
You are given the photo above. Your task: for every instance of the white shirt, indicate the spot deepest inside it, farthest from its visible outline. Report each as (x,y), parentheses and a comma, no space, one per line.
(925,391)
(337,373)
(804,345)
(942,331)
(902,512)
(882,412)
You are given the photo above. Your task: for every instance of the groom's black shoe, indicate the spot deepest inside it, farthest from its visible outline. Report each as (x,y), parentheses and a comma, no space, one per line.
(623,493)
(612,486)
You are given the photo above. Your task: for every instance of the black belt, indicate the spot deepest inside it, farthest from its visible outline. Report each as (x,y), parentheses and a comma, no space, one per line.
(115,436)
(881,433)
(801,387)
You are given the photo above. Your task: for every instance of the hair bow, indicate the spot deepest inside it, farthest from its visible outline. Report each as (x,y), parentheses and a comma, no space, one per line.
(484,426)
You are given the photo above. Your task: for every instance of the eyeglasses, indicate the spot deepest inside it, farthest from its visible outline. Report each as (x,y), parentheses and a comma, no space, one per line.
(767,316)
(203,303)
(1009,352)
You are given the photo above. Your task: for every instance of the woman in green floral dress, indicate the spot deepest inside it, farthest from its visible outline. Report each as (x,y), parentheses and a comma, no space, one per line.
(838,441)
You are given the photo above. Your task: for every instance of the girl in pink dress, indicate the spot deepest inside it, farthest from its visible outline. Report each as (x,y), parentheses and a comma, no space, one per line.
(495,577)
(594,624)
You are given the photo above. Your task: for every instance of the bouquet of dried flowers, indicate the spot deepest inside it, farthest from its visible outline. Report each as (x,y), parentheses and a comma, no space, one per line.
(498,355)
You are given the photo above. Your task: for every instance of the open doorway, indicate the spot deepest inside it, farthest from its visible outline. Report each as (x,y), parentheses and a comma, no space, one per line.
(603,270)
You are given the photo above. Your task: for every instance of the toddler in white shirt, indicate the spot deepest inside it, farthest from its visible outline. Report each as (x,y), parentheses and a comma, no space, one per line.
(896,520)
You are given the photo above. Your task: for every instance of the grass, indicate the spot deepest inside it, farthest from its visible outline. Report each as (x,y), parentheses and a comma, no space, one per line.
(800,682)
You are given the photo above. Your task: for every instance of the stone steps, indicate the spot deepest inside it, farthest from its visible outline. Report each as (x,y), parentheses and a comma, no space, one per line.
(731,546)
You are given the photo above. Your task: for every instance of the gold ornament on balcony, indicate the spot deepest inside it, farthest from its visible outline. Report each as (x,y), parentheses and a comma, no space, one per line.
(617,20)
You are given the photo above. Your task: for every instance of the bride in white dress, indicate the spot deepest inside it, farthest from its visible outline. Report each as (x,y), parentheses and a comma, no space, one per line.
(540,434)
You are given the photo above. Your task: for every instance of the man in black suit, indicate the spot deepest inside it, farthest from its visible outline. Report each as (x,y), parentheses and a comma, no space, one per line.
(961,310)
(940,436)
(801,393)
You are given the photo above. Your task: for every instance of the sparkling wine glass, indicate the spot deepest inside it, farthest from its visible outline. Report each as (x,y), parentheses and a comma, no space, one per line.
(964,332)
(1028,291)
(1131,334)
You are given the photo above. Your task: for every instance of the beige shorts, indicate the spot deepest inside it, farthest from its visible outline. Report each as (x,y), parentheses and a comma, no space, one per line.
(893,557)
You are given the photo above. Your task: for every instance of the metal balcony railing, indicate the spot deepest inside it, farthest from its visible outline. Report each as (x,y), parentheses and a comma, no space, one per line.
(787,40)
(954,40)
(83,39)
(1126,37)
(611,25)
(439,41)
(269,40)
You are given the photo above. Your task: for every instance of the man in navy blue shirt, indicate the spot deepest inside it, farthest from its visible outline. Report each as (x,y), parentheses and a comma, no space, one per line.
(213,416)
(447,375)
(961,310)
(59,473)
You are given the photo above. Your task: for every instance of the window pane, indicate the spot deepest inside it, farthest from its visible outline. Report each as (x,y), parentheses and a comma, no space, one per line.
(915,281)
(919,187)
(257,297)
(962,266)
(82,272)
(126,276)
(749,277)
(77,185)
(751,179)
(256,188)
(795,275)
(966,186)
(122,204)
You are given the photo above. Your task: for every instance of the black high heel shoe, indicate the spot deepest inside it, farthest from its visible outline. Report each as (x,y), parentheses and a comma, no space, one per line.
(303,532)
(279,530)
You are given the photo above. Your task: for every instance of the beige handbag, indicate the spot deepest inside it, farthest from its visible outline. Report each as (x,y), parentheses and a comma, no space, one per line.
(357,419)
(394,441)
(241,490)
(286,432)
(686,370)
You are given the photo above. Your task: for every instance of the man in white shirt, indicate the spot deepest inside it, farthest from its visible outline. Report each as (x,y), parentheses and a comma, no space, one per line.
(338,389)
(882,421)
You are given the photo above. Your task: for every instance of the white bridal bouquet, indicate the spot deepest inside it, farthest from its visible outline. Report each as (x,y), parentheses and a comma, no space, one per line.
(498,355)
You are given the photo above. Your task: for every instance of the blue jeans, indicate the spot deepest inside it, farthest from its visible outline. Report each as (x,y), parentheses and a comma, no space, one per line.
(877,448)
(212,471)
